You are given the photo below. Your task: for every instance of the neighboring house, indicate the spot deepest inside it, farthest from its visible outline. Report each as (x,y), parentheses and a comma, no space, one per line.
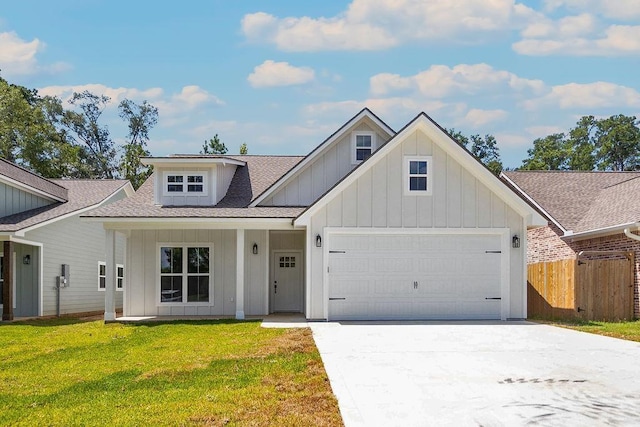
(40,231)
(372,224)
(586,211)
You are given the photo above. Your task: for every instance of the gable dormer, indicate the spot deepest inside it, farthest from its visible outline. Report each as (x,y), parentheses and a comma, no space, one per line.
(181,180)
(334,158)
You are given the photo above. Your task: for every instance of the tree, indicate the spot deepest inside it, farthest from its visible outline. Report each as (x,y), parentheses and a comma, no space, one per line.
(140,119)
(548,153)
(581,145)
(243,149)
(618,143)
(99,149)
(214,146)
(484,149)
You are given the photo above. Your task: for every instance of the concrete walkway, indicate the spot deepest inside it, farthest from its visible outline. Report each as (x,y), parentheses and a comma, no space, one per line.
(479,373)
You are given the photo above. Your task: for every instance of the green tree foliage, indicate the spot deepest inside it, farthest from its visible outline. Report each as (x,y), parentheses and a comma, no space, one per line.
(243,148)
(85,130)
(214,146)
(140,119)
(606,144)
(484,149)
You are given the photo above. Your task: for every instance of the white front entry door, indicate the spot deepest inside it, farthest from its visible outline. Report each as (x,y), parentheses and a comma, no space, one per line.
(286,288)
(414,276)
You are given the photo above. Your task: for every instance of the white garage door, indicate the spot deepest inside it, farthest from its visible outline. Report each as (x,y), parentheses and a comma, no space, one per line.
(414,276)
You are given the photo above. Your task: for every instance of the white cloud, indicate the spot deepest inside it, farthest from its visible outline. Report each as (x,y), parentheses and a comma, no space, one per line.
(381,24)
(616,9)
(587,96)
(477,117)
(464,79)
(18,57)
(542,131)
(271,73)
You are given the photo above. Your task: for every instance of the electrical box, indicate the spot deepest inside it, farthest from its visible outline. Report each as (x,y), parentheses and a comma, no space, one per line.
(64,277)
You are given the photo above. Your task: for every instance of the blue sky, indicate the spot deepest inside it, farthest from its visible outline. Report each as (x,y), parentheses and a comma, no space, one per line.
(283,75)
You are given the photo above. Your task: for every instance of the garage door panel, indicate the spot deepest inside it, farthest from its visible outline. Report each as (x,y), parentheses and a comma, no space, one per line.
(414,276)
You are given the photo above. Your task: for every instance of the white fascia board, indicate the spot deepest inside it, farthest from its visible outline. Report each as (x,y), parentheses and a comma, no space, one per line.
(452,148)
(533,202)
(599,232)
(319,150)
(189,161)
(193,223)
(30,189)
(22,231)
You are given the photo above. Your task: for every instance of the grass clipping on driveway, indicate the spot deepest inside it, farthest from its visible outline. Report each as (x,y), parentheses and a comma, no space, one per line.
(67,372)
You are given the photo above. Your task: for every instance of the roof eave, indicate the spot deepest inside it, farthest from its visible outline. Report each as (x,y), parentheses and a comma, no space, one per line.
(600,232)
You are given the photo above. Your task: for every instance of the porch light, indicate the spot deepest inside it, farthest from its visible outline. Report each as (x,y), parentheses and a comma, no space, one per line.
(255,249)
(26,259)
(318,241)
(515,241)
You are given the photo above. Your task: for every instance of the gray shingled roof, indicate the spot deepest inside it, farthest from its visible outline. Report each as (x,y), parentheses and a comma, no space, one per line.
(248,182)
(583,201)
(23,176)
(81,194)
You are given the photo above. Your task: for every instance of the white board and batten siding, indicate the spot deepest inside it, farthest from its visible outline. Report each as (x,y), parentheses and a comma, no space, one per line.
(14,200)
(328,167)
(144,295)
(376,202)
(81,245)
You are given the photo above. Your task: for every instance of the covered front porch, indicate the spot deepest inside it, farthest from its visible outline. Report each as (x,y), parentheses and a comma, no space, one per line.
(212,270)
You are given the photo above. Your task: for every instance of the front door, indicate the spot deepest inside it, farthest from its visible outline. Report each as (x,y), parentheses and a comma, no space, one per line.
(286,288)
(1,277)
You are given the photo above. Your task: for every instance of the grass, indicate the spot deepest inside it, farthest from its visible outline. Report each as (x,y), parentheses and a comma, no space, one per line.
(68,372)
(629,330)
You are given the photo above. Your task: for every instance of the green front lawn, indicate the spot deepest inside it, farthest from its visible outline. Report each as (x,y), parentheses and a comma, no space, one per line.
(623,330)
(68,372)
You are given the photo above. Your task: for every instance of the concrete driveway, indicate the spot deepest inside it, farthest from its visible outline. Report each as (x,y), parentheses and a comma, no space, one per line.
(478,373)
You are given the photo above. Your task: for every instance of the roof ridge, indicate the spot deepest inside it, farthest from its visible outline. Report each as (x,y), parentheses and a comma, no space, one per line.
(622,182)
(31,172)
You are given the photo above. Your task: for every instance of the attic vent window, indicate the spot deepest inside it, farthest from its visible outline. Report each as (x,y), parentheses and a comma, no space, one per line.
(362,146)
(177,184)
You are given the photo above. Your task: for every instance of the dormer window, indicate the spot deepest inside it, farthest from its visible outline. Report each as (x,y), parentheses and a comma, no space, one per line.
(362,146)
(189,183)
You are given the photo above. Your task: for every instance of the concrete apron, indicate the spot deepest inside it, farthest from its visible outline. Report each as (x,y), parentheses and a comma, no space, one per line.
(478,373)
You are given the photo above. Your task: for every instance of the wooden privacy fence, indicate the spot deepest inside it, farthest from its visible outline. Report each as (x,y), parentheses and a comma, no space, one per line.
(595,289)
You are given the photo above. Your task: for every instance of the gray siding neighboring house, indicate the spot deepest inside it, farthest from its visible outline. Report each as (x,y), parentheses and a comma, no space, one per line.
(37,241)
(372,224)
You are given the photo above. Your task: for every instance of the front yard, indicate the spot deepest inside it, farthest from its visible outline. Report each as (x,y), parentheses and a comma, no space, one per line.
(68,372)
(629,330)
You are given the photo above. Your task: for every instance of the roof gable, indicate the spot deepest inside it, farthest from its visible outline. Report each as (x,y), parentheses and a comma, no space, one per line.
(364,114)
(443,140)
(31,182)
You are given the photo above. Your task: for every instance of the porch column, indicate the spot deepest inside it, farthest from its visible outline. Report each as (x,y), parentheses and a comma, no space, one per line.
(7,288)
(239,274)
(110,278)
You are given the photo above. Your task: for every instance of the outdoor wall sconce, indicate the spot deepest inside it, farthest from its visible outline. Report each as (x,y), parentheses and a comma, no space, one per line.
(26,259)
(318,241)
(515,241)
(255,249)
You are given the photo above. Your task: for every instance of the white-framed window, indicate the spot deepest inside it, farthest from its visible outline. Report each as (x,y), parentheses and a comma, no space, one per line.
(418,175)
(119,277)
(362,146)
(185,274)
(181,183)
(102,275)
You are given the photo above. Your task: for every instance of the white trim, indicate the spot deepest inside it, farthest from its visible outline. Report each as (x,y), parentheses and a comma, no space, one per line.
(354,148)
(590,234)
(184,274)
(459,154)
(533,202)
(406,175)
(40,247)
(200,223)
(189,161)
(185,184)
(320,149)
(22,231)
(29,189)
(100,264)
(266,271)
(505,260)
(240,274)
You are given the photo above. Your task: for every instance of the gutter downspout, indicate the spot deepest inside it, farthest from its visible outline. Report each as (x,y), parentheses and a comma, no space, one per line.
(629,234)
